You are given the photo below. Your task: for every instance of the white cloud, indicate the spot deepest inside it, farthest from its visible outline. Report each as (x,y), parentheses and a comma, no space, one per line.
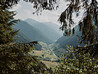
(25,10)
(16,7)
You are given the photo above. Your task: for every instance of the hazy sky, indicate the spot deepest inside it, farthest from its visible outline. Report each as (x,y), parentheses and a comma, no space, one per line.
(24,10)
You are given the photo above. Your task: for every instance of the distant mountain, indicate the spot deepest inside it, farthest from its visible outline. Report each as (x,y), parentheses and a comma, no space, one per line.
(54,27)
(50,30)
(60,45)
(21,38)
(30,32)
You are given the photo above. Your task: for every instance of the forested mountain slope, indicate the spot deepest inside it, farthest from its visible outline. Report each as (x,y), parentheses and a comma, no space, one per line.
(21,38)
(59,46)
(69,40)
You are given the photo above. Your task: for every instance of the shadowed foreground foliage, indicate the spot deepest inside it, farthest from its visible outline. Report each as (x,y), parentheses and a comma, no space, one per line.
(14,59)
(77,63)
(7,33)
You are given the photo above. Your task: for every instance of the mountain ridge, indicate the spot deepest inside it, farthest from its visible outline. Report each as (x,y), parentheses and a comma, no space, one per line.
(46,29)
(31,32)
(59,46)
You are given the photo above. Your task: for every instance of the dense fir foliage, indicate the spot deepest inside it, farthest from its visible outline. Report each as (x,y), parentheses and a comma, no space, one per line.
(77,63)
(38,4)
(15,57)
(6,30)
(88,24)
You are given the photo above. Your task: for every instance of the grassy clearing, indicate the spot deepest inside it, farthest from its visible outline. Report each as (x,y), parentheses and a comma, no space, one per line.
(44,58)
(39,53)
(50,64)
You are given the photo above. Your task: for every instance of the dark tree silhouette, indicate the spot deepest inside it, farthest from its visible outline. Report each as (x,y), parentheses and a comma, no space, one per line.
(89,23)
(15,57)
(6,21)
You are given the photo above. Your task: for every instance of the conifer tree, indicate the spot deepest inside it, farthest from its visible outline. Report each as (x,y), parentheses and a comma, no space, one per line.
(73,62)
(15,57)
(88,25)
(6,31)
